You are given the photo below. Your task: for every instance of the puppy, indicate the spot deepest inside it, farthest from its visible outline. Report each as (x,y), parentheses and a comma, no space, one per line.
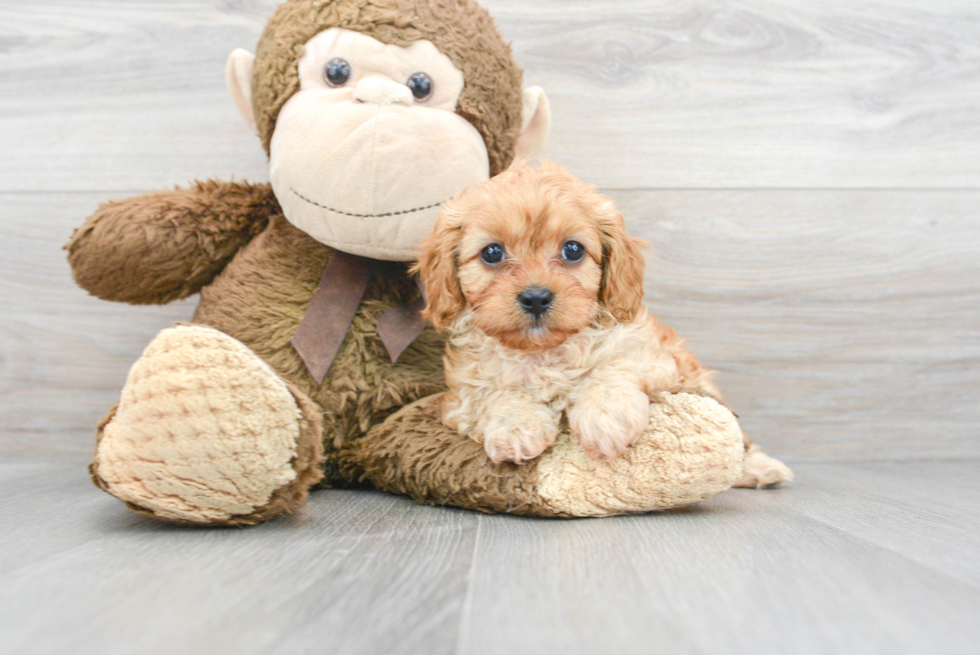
(540,288)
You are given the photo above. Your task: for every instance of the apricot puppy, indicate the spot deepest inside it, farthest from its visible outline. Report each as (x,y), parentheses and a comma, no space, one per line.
(540,288)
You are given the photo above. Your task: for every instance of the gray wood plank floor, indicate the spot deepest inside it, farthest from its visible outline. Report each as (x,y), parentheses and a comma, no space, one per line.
(808,177)
(867,557)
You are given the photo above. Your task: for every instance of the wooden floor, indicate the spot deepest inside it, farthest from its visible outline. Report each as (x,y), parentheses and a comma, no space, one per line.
(808,176)
(873,557)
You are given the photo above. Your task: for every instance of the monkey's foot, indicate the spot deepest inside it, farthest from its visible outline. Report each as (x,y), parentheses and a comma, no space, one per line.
(207,433)
(691,450)
(762,471)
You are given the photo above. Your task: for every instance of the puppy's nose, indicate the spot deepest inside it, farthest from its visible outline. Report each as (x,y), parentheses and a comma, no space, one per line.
(535,300)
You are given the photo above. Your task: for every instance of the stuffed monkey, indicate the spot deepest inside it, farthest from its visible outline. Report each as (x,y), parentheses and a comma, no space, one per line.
(308,334)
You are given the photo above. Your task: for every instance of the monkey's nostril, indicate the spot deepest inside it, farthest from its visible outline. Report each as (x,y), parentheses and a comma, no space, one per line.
(535,300)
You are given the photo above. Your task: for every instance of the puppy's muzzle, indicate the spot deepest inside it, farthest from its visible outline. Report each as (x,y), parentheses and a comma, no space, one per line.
(535,301)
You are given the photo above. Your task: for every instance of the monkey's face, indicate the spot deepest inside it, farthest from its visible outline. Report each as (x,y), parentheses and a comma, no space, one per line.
(368,149)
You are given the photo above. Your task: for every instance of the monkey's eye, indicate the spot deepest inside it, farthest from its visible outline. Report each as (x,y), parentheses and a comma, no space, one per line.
(572,251)
(492,254)
(420,84)
(337,72)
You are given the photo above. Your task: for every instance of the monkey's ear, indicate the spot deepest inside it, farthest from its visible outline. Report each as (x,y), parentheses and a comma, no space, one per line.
(535,123)
(238,77)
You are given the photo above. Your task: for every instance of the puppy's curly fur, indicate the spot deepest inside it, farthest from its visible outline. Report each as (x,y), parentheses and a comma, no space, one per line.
(581,347)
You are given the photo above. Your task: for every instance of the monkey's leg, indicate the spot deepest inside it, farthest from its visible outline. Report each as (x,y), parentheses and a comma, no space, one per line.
(206,433)
(691,450)
(761,470)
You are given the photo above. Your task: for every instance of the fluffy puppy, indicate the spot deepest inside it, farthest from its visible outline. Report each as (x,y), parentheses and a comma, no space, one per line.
(540,288)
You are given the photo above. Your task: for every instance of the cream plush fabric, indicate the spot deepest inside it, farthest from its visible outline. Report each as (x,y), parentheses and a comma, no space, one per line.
(205,430)
(353,182)
(691,451)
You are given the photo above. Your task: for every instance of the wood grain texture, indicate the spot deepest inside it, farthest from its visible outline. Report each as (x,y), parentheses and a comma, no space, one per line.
(359,573)
(853,558)
(758,93)
(844,323)
(65,354)
(681,94)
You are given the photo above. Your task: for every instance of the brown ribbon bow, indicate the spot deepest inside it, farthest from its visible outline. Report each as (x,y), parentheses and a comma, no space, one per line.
(332,308)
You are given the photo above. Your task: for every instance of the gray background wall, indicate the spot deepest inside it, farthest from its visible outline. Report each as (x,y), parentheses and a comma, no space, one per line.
(808,175)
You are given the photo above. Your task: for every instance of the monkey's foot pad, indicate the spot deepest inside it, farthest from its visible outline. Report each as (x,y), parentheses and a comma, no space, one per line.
(691,451)
(207,433)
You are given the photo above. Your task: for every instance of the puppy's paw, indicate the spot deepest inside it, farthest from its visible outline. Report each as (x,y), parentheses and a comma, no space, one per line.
(763,471)
(608,421)
(519,435)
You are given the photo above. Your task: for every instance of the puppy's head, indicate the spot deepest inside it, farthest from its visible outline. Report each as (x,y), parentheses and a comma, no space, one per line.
(536,254)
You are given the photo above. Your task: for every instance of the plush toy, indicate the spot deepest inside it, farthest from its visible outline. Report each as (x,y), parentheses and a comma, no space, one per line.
(307,360)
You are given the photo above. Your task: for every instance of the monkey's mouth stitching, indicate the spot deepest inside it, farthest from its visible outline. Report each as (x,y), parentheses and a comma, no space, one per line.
(337,211)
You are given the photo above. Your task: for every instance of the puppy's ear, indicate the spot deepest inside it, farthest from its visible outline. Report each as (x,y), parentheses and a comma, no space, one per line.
(436,268)
(621,290)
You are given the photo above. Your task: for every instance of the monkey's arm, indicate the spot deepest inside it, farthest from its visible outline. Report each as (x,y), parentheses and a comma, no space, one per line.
(159,247)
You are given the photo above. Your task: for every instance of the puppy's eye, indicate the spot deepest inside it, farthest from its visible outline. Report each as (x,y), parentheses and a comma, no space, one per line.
(420,84)
(337,72)
(492,254)
(572,251)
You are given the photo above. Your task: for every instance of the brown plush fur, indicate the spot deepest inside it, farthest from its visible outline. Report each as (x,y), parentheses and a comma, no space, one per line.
(259,297)
(167,245)
(255,271)
(414,454)
(262,295)
(461,29)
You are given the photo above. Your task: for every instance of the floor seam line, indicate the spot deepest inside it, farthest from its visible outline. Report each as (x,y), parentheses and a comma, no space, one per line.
(464,618)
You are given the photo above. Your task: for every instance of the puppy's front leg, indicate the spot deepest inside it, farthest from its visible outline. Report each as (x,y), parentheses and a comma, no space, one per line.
(511,426)
(610,411)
